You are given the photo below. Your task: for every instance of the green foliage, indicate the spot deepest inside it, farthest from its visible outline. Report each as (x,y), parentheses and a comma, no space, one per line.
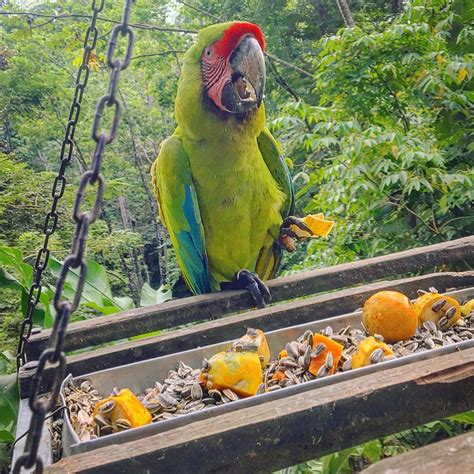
(9,402)
(16,276)
(357,458)
(386,147)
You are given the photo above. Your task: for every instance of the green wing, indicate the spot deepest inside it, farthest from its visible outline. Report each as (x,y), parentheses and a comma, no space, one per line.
(179,210)
(273,156)
(270,255)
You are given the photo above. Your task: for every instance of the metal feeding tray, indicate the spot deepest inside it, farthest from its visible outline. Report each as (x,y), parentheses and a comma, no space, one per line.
(140,375)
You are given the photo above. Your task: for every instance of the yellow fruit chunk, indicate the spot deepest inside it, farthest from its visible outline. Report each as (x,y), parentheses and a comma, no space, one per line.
(467,308)
(239,371)
(128,407)
(316,222)
(255,341)
(365,349)
(442,310)
(390,314)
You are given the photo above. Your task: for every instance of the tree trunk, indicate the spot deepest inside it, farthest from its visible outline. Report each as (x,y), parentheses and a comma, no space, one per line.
(346,13)
(396,6)
(134,274)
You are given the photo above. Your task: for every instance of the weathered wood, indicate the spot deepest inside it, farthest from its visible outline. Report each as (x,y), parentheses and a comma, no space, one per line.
(198,308)
(451,456)
(290,430)
(270,318)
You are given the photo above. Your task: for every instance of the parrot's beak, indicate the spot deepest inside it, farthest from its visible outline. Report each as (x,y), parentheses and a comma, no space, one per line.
(247,86)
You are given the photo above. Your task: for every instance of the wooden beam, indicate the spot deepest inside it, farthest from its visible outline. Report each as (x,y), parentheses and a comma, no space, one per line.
(231,327)
(198,308)
(451,456)
(297,428)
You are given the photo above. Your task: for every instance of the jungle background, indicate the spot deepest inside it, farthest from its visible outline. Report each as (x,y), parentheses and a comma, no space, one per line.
(371,100)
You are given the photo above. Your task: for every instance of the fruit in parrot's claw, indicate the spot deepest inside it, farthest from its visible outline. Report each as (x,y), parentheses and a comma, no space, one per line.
(240,371)
(370,351)
(121,411)
(319,226)
(253,340)
(390,314)
(221,181)
(441,309)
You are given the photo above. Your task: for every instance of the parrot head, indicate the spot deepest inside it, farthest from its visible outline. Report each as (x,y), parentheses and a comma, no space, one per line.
(233,68)
(223,76)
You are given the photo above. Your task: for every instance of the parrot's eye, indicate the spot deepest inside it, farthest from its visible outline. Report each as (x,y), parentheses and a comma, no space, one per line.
(208,52)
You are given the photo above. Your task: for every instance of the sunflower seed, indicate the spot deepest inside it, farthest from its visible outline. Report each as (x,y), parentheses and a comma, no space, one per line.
(261,389)
(450,312)
(122,424)
(292,350)
(443,322)
(439,305)
(307,357)
(187,391)
(429,326)
(347,365)
(412,346)
(388,357)
(329,360)
(152,407)
(421,292)
(106,407)
(429,343)
(376,356)
(230,394)
(215,394)
(290,376)
(166,401)
(322,372)
(433,289)
(101,421)
(194,404)
(105,430)
(379,337)
(328,331)
(288,362)
(205,364)
(196,392)
(319,349)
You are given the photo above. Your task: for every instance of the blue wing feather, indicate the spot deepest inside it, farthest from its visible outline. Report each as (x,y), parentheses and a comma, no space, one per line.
(179,210)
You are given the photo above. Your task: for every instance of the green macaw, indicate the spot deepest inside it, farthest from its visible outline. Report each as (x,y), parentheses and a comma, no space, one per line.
(223,188)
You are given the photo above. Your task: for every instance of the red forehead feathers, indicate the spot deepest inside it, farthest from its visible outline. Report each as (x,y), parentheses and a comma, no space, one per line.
(234,34)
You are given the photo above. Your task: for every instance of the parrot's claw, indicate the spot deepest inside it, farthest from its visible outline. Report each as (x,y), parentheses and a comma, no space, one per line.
(257,289)
(288,236)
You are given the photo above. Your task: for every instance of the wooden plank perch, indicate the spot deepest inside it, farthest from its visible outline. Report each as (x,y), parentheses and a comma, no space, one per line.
(212,306)
(296,428)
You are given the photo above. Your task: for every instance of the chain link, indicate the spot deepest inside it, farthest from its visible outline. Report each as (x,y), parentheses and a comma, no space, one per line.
(53,356)
(59,185)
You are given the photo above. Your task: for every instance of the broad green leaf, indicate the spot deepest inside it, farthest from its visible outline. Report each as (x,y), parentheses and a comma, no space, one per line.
(150,296)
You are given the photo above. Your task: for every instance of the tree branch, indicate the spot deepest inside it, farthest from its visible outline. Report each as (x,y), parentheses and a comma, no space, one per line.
(201,10)
(139,26)
(171,51)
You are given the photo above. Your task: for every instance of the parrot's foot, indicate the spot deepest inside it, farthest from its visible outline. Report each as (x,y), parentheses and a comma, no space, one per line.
(288,236)
(251,282)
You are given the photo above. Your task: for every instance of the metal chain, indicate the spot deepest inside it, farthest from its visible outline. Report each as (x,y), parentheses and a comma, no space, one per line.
(51,220)
(54,354)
